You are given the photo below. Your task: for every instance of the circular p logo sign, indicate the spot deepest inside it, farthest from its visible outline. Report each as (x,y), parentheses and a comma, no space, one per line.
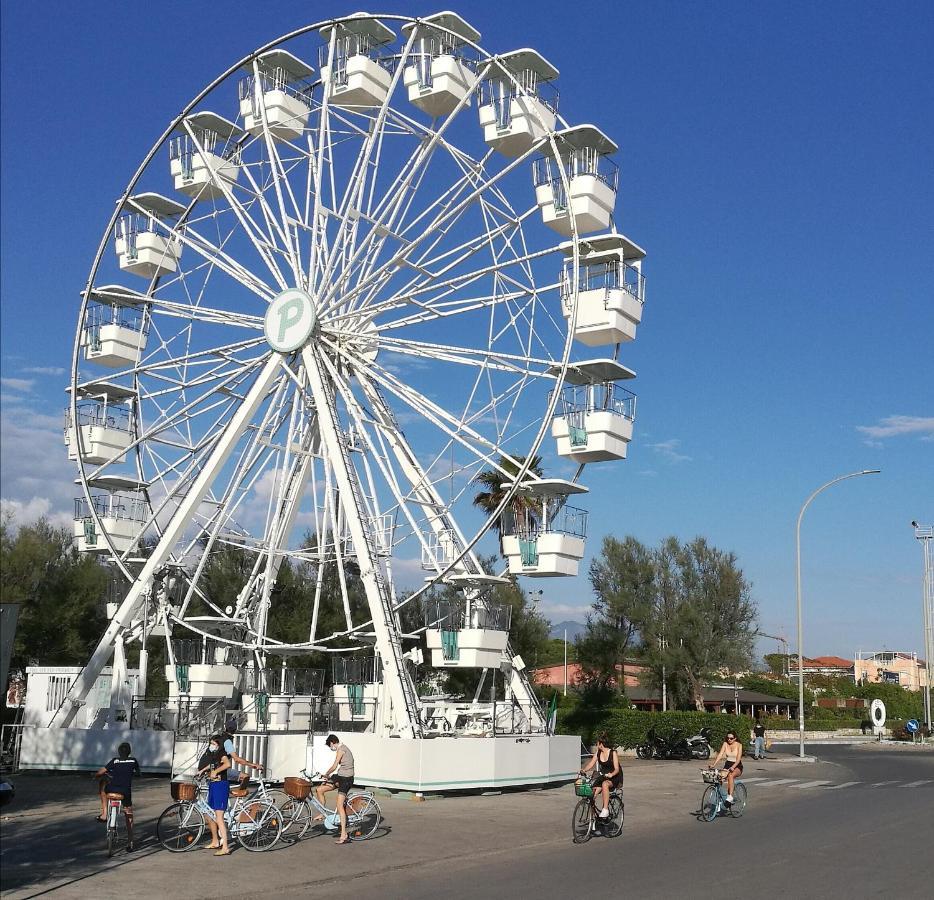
(289,320)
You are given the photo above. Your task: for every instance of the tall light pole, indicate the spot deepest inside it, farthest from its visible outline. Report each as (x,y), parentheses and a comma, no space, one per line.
(925,534)
(807,502)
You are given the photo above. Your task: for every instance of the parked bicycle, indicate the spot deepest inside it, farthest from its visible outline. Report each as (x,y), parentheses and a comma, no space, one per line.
(256,823)
(586,821)
(363,813)
(714,802)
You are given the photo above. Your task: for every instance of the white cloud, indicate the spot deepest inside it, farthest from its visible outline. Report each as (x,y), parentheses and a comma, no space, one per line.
(894,426)
(44,370)
(668,450)
(561,612)
(29,511)
(22,385)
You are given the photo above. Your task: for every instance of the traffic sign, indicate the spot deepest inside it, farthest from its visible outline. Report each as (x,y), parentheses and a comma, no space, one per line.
(912,725)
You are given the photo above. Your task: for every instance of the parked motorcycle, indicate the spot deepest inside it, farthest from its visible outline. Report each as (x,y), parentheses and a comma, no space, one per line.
(673,746)
(652,745)
(678,746)
(700,744)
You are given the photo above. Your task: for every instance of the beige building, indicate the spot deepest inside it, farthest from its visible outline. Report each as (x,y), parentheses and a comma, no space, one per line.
(891,666)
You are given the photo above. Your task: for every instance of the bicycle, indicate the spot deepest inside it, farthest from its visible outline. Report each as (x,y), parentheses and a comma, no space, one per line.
(114,810)
(586,820)
(714,801)
(363,813)
(255,823)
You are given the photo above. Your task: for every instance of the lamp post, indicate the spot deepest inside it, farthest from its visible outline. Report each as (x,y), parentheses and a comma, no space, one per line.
(807,502)
(925,534)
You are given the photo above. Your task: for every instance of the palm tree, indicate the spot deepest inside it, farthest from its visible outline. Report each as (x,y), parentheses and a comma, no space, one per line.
(493,480)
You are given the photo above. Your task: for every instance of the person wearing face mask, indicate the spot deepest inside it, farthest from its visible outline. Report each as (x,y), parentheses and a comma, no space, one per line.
(218,794)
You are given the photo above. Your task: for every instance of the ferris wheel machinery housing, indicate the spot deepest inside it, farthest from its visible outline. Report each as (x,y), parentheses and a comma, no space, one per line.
(374,264)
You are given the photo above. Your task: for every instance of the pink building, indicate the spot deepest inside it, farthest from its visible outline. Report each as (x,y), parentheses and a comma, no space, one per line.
(892,667)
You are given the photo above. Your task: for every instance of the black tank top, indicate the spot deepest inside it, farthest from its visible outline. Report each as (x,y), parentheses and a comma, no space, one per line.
(605,767)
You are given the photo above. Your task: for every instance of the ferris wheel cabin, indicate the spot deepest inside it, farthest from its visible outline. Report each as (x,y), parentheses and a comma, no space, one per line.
(115,328)
(585,202)
(204,156)
(611,289)
(518,104)
(442,74)
(278,89)
(104,427)
(145,244)
(468,634)
(352,67)
(596,415)
(542,535)
(121,508)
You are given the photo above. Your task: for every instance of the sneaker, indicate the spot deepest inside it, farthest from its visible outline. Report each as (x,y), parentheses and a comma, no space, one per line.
(130,848)
(604,813)
(729,798)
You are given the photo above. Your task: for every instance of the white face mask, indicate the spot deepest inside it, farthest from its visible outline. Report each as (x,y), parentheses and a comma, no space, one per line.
(212,748)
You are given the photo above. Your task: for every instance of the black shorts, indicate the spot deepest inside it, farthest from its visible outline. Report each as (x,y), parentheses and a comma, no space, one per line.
(615,781)
(343,783)
(737,768)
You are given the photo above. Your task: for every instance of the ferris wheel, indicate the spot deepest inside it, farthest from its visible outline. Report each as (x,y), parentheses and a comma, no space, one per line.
(368,263)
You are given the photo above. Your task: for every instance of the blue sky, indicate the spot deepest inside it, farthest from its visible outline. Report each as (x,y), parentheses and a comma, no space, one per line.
(776,164)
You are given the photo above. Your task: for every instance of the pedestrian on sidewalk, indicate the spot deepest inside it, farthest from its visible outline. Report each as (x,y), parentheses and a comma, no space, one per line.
(758,732)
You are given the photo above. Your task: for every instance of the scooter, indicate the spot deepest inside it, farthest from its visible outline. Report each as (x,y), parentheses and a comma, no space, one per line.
(700,744)
(678,746)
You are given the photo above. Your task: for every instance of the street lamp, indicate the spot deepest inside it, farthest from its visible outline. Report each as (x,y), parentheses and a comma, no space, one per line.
(807,502)
(925,534)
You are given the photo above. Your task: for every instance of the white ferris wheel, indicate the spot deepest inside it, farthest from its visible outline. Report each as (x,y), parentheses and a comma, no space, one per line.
(365,264)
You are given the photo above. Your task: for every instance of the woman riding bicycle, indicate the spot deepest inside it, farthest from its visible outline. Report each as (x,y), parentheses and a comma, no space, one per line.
(608,774)
(732,753)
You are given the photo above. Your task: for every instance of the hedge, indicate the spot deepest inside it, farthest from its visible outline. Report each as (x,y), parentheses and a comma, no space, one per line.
(811,724)
(628,727)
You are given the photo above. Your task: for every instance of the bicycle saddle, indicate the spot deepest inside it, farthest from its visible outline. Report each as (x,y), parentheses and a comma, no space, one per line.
(113,795)
(239,792)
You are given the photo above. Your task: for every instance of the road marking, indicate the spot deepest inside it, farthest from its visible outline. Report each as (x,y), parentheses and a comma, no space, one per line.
(918,783)
(751,780)
(846,784)
(810,784)
(780,781)
(881,783)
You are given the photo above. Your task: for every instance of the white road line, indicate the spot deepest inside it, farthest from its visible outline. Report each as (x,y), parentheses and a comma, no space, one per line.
(751,780)
(780,781)
(810,784)
(919,783)
(846,784)
(881,783)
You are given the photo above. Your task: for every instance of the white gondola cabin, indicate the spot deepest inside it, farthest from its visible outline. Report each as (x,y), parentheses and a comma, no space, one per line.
(104,427)
(577,187)
(355,687)
(352,69)
(518,104)
(594,417)
(466,634)
(121,509)
(611,289)
(146,239)
(441,74)
(542,535)
(115,328)
(276,88)
(204,155)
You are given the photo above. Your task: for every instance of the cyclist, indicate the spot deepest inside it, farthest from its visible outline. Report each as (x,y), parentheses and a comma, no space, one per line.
(118,774)
(230,729)
(340,777)
(731,752)
(608,774)
(218,794)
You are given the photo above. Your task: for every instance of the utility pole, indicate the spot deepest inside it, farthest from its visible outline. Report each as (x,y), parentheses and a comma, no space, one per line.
(925,534)
(565,662)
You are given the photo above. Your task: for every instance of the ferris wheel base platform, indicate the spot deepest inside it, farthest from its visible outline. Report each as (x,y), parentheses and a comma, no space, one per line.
(426,765)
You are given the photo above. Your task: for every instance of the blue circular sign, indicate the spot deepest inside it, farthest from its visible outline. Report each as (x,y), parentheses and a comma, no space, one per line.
(912,725)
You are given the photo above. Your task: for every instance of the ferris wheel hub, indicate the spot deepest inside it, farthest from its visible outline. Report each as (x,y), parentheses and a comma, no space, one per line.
(290,320)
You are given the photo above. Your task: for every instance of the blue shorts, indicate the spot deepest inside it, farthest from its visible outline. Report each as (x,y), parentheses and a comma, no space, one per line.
(219,794)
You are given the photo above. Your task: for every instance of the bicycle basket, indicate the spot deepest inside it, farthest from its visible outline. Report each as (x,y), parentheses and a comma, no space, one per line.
(711,776)
(583,788)
(184,790)
(299,788)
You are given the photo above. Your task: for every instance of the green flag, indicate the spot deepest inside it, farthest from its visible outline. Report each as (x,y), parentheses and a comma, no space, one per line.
(552,721)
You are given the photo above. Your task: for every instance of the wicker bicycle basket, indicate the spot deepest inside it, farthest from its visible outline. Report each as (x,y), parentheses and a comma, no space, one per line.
(298,788)
(583,788)
(711,776)
(184,790)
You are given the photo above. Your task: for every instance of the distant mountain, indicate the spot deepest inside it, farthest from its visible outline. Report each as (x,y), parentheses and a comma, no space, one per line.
(574,629)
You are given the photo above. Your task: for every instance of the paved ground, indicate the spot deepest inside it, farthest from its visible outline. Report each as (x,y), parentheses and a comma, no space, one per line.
(858,820)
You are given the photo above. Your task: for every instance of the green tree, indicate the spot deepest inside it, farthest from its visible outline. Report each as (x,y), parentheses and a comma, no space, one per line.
(622,578)
(492,480)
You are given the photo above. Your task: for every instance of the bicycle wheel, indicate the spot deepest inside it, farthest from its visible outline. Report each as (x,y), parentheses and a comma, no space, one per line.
(581,821)
(617,816)
(710,804)
(363,816)
(180,827)
(278,797)
(738,806)
(296,818)
(111,841)
(263,827)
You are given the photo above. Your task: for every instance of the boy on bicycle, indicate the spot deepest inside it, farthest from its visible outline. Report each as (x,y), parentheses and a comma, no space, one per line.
(119,774)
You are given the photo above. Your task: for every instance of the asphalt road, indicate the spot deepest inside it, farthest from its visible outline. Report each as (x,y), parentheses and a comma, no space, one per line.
(860,821)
